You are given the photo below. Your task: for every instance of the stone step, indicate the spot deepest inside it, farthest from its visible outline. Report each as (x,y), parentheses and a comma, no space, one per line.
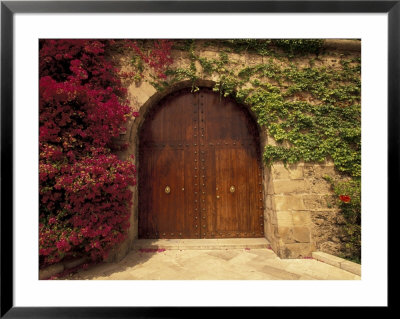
(211,244)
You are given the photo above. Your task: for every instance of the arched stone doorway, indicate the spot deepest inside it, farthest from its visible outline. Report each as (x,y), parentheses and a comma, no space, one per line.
(200,169)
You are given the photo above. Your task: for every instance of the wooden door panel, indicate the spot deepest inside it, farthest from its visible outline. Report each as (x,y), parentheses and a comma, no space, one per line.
(171,122)
(226,122)
(199,145)
(166,155)
(232,207)
(169,207)
(238,213)
(163,211)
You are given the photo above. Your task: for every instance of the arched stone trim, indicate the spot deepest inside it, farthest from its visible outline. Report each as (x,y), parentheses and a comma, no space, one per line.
(157,97)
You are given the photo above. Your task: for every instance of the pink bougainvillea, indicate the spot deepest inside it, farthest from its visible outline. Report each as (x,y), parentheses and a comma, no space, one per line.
(158,57)
(84,189)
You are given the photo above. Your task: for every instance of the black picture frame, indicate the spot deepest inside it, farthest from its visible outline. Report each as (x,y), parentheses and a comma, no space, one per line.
(9,8)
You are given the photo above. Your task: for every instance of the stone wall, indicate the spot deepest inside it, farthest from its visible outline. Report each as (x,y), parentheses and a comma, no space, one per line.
(299,213)
(300,210)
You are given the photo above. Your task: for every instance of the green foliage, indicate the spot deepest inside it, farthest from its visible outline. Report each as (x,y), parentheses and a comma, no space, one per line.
(294,46)
(183,45)
(265,46)
(351,212)
(259,46)
(312,132)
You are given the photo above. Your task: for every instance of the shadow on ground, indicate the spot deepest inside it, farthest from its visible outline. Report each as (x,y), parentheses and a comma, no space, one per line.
(134,258)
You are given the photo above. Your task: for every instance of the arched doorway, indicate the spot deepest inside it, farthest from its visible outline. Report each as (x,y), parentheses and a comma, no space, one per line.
(200,172)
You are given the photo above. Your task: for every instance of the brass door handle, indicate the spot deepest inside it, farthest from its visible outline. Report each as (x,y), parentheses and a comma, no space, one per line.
(232,189)
(167,190)
(217,196)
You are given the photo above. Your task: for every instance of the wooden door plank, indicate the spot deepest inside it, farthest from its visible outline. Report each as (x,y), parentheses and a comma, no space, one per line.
(168,153)
(231,138)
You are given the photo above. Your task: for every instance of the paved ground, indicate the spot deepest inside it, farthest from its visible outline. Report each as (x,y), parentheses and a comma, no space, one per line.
(212,264)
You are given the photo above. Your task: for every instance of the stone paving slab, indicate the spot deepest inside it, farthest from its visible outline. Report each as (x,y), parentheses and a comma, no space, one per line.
(212,264)
(230,243)
(337,262)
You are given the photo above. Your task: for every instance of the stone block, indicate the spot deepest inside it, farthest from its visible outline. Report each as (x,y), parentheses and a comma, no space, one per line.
(198,66)
(323,170)
(52,270)
(209,54)
(301,234)
(253,59)
(234,57)
(351,267)
(286,234)
(319,186)
(308,171)
(296,250)
(290,186)
(142,93)
(313,246)
(289,202)
(284,218)
(289,172)
(269,204)
(270,215)
(119,252)
(274,245)
(327,258)
(315,202)
(271,141)
(269,188)
(76,262)
(268,230)
(301,218)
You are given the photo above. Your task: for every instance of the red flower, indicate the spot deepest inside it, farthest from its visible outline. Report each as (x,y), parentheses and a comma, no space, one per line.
(63,245)
(345,198)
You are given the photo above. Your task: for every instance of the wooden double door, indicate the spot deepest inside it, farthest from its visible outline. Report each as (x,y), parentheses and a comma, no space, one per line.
(199,169)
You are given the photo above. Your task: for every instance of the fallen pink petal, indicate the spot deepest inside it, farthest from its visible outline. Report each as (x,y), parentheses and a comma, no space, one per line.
(151,250)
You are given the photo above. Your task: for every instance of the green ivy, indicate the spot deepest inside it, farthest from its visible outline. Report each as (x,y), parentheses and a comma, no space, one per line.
(266,47)
(328,127)
(299,46)
(259,46)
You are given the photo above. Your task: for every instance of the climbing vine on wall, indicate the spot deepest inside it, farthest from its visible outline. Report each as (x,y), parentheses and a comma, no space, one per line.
(312,112)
